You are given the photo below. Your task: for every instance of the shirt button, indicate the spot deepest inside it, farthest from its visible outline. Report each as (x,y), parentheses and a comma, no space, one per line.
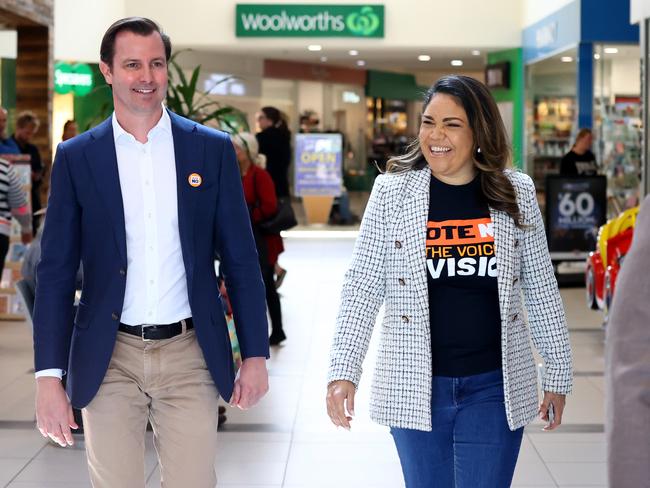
(114,316)
(398,244)
(405,319)
(402,281)
(151,282)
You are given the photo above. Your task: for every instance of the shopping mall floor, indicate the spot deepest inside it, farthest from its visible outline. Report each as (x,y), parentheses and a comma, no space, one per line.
(288,440)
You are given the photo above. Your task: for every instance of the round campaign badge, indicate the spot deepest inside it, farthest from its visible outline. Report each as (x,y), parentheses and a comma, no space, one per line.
(195,180)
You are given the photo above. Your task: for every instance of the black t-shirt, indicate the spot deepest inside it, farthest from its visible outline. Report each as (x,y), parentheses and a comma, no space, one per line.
(574,164)
(462,277)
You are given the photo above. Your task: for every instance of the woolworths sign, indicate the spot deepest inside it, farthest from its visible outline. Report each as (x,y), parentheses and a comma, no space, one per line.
(277,20)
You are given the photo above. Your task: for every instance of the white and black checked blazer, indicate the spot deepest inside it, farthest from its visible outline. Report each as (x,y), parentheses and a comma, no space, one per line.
(391,245)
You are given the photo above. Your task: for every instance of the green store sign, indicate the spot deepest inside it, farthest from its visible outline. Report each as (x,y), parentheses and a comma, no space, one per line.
(75,78)
(290,20)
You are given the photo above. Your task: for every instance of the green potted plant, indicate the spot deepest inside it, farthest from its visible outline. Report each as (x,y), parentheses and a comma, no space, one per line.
(184,98)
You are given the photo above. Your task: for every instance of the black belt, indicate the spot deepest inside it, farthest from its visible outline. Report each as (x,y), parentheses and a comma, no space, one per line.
(157,332)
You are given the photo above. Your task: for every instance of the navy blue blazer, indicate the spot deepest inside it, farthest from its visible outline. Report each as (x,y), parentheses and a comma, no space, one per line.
(85,222)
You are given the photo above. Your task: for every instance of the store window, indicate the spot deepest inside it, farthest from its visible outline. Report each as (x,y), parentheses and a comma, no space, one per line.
(551,114)
(617,122)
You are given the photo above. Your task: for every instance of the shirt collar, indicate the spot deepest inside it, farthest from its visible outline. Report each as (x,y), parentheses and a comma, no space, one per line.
(164,125)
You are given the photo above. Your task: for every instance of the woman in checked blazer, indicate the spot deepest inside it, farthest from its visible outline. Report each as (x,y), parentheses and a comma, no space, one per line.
(453,244)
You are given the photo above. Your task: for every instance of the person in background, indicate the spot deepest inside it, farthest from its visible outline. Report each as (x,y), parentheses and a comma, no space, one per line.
(13,203)
(580,161)
(7,145)
(27,125)
(627,365)
(260,196)
(69,130)
(455,375)
(275,143)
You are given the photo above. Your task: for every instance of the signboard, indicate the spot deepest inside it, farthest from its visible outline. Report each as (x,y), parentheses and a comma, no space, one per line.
(290,20)
(76,78)
(498,75)
(575,208)
(318,164)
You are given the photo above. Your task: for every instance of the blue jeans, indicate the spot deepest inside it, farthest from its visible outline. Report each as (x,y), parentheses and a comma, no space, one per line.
(470,445)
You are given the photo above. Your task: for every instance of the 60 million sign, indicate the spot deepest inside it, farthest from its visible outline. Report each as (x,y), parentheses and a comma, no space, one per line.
(575,208)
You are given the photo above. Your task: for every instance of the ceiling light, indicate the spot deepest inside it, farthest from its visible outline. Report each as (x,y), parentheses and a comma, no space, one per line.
(361,62)
(315,47)
(424,57)
(566,59)
(476,52)
(323,58)
(353,52)
(456,62)
(596,56)
(611,50)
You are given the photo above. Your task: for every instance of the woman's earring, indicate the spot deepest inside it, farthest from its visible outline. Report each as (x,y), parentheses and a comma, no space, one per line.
(478,150)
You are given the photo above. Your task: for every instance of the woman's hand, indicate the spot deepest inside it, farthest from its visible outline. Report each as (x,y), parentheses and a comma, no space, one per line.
(340,402)
(557,401)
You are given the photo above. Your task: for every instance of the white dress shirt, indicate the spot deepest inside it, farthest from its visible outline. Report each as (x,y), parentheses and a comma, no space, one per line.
(156,285)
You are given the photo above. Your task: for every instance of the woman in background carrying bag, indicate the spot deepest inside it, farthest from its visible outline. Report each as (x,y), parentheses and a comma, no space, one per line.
(259,193)
(449,241)
(274,141)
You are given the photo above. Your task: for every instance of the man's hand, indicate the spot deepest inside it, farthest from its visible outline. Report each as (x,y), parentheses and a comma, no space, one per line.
(340,397)
(557,401)
(251,384)
(54,416)
(26,237)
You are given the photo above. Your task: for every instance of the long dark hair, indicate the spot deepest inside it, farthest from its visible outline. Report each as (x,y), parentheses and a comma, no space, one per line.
(491,152)
(276,117)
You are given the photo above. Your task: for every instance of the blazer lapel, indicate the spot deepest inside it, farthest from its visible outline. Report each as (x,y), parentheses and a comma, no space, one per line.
(504,247)
(189,154)
(414,214)
(102,161)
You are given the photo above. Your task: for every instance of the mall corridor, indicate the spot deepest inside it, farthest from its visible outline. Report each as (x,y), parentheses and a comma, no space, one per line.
(288,440)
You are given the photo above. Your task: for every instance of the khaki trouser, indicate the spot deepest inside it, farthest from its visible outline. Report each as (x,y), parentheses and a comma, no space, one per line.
(166,382)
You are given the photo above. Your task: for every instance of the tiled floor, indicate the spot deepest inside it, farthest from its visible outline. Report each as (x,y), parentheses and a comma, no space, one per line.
(287,440)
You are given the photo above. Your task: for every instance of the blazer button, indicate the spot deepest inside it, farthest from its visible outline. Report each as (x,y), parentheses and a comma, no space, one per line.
(515,317)
(405,319)
(114,316)
(398,244)
(123,272)
(516,242)
(515,280)
(402,281)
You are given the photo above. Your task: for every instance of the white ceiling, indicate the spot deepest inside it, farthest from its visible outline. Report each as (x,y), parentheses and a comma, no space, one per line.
(383,59)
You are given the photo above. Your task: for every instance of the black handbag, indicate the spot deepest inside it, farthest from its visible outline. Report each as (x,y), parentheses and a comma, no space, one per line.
(284,218)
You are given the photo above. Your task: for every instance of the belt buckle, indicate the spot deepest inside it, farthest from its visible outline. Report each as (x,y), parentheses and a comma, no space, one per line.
(142,334)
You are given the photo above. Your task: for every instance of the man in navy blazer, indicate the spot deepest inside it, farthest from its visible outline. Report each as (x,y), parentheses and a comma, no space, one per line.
(145,200)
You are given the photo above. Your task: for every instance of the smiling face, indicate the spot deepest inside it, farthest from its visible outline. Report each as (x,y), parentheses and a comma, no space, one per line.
(446,140)
(138,74)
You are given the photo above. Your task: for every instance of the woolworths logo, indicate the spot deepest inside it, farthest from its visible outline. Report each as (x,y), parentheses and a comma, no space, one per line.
(273,20)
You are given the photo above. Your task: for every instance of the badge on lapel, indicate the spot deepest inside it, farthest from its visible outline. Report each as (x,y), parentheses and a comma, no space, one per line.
(195,180)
